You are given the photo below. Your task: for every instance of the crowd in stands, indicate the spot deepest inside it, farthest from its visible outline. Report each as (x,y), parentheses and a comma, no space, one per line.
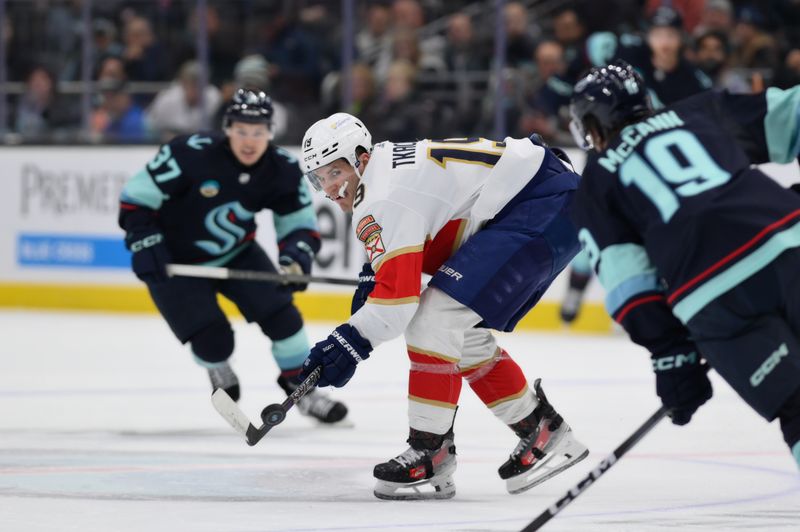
(421,68)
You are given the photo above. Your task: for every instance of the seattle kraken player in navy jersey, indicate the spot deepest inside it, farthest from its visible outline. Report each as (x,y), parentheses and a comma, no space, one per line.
(195,202)
(698,250)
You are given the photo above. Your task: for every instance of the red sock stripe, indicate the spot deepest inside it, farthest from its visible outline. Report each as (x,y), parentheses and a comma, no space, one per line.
(438,387)
(503,381)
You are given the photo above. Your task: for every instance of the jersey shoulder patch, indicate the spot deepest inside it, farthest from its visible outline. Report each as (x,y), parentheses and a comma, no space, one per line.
(368,231)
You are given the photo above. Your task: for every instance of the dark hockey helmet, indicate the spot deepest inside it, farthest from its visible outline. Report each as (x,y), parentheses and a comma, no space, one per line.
(607,98)
(251,106)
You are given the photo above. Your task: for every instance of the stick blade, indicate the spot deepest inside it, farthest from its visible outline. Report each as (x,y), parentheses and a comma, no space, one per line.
(231,412)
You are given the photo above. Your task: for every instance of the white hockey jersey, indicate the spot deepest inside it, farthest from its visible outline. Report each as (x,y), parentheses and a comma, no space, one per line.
(417,203)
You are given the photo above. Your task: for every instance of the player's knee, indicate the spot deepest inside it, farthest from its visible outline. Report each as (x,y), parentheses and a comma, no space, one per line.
(281,323)
(438,314)
(789,416)
(213,344)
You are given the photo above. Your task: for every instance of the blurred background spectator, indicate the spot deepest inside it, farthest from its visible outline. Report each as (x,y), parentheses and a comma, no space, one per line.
(416,68)
(181,108)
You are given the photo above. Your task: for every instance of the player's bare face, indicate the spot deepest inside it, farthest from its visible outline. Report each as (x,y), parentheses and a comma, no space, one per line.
(248,141)
(339,181)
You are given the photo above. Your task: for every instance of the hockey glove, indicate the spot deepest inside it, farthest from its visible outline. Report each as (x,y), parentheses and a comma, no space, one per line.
(338,355)
(150,256)
(366,283)
(682,384)
(296,260)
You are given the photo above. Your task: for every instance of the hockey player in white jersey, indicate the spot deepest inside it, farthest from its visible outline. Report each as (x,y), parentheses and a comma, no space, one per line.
(489,221)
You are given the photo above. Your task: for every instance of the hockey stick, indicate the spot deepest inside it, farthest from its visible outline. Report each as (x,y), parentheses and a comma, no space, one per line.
(213,272)
(604,465)
(271,415)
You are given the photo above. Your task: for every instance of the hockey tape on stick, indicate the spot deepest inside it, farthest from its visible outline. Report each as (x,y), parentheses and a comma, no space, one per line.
(214,272)
(599,470)
(271,415)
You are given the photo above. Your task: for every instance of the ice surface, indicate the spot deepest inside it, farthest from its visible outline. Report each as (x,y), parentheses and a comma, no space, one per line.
(106,425)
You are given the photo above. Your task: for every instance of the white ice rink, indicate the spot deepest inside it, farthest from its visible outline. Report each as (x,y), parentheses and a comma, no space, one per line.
(106,425)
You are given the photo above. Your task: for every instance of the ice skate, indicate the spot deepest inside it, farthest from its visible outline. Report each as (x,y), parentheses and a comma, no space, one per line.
(424,471)
(316,404)
(222,376)
(571,305)
(546,447)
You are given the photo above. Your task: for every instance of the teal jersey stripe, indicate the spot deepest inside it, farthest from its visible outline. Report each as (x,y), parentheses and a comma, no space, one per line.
(290,352)
(736,274)
(304,218)
(620,262)
(623,292)
(141,190)
(796,453)
(782,124)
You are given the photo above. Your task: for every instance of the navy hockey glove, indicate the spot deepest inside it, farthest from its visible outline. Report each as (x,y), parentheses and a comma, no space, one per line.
(296,260)
(150,255)
(682,384)
(366,283)
(338,355)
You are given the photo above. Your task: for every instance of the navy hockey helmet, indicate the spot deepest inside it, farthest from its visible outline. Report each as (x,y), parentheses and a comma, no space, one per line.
(251,106)
(607,99)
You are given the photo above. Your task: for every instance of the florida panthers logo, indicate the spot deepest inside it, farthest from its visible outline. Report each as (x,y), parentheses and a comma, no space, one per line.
(369,232)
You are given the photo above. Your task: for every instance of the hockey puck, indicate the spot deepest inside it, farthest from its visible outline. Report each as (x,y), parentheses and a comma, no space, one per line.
(272,414)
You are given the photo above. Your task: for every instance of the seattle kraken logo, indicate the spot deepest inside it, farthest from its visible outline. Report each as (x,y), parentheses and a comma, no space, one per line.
(221,223)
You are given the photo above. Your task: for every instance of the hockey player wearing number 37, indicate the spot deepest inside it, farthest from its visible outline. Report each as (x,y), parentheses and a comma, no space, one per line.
(489,221)
(195,203)
(699,251)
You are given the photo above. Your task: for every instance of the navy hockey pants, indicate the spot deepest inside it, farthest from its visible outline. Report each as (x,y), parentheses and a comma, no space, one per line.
(751,335)
(190,304)
(507,266)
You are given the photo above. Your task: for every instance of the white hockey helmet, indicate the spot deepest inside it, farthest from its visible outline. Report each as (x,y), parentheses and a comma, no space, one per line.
(332,138)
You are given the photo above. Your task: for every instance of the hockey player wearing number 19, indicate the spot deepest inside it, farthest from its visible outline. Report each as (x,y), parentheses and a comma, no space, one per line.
(489,221)
(195,203)
(698,250)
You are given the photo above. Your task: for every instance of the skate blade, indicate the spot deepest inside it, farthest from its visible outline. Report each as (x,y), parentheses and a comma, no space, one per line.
(443,488)
(567,455)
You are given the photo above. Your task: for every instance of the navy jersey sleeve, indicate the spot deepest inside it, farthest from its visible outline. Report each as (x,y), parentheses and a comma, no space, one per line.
(634,292)
(293,213)
(766,125)
(161,178)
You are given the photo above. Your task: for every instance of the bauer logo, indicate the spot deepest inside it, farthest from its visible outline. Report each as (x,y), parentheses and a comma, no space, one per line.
(769,364)
(74,251)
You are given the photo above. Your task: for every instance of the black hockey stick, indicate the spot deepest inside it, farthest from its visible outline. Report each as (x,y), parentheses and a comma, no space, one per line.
(604,465)
(271,415)
(214,272)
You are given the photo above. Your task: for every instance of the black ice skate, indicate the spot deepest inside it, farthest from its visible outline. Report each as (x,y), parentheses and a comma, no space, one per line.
(222,376)
(316,404)
(546,447)
(573,299)
(424,471)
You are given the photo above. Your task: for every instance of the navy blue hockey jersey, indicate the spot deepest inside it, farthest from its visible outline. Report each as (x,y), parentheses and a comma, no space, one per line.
(673,210)
(204,200)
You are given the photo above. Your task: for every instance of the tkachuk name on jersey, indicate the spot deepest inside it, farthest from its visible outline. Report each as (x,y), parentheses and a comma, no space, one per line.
(404,154)
(634,134)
